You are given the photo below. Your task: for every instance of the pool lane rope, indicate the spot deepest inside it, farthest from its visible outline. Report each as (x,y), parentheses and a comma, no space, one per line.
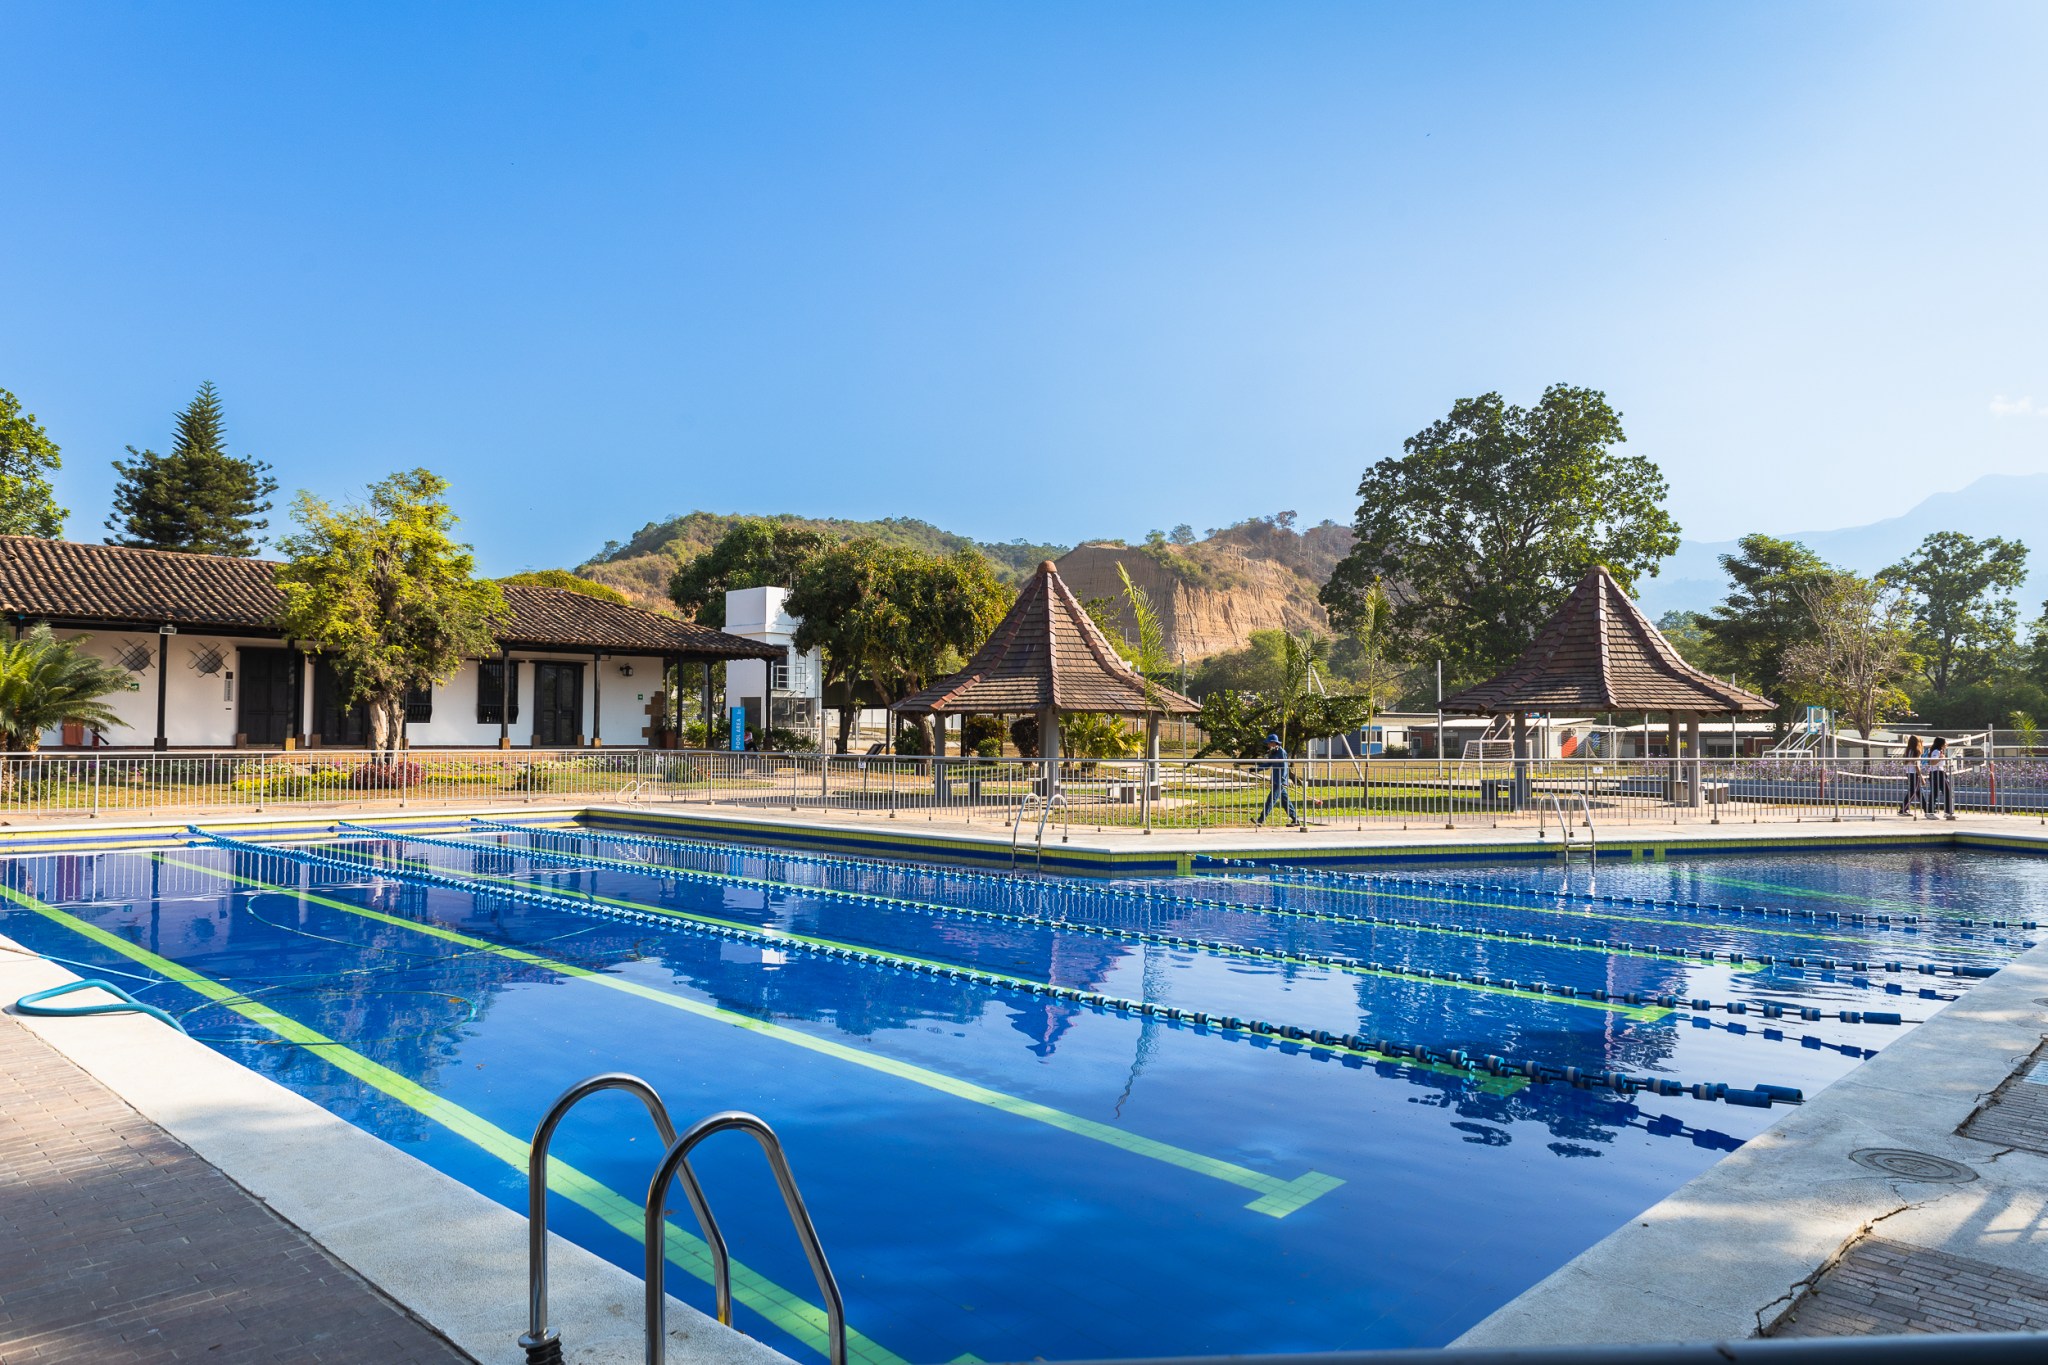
(1530,937)
(1531,990)
(1043,890)
(1310,875)
(1454,1061)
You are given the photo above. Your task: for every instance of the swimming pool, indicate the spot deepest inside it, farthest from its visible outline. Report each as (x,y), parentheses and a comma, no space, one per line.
(1049,1117)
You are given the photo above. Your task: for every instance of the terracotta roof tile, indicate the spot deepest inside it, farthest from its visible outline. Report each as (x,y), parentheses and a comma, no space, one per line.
(89,585)
(1046,652)
(1600,653)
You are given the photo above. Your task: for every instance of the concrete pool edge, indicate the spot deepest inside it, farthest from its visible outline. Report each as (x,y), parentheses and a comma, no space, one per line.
(1103,855)
(1727,1254)
(448,1255)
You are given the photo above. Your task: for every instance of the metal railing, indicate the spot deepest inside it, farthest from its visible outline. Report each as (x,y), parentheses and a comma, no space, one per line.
(1109,794)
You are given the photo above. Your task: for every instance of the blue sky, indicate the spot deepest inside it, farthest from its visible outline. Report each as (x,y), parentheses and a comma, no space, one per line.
(1045,270)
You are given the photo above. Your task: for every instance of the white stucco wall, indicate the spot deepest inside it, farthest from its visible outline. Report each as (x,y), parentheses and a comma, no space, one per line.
(200,710)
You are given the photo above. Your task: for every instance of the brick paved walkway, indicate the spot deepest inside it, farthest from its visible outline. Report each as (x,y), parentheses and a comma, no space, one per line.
(118,1244)
(1882,1287)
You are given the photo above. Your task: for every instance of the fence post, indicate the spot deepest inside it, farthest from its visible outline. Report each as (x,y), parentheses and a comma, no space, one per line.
(95,786)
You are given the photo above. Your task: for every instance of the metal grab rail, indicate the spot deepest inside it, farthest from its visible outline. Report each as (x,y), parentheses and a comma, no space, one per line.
(543,1345)
(677,1162)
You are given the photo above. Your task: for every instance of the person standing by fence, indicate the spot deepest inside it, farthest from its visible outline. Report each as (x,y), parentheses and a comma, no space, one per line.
(1276,759)
(1940,790)
(1913,783)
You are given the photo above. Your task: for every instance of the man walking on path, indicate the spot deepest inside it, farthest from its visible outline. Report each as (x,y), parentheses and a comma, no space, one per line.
(1276,759)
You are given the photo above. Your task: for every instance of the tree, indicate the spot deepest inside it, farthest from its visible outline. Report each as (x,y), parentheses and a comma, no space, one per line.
(1965,621)
(1856,649)
(1765,611)
(384,591)
(1491,516)
(567,582)
(28,504)
(198,498)
(893,617)
(46,682)
(754,552)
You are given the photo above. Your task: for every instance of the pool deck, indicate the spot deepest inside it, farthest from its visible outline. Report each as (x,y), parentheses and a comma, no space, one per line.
(1834,1220)
(172,1201)
(1787,1236)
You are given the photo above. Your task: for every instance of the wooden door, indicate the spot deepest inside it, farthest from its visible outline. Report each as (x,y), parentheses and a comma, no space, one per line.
(336,724)
(557,705)
(267,698)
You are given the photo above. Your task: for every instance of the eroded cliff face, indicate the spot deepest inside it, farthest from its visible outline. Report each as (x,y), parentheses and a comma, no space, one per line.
(1248,594)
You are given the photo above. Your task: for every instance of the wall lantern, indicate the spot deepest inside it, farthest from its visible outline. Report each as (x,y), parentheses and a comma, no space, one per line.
(625,670)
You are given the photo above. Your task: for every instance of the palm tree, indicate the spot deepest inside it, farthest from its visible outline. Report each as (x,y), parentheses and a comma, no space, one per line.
(46,682)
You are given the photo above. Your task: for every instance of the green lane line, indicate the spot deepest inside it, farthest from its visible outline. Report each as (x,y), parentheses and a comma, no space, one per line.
(1641,1013)
(1593,912)
(1850,897)
(1267,1187)
(792,1313)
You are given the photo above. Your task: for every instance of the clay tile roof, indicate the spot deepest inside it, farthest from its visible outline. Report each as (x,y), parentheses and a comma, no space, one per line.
(1600,653)
(81,585)
(1046,652)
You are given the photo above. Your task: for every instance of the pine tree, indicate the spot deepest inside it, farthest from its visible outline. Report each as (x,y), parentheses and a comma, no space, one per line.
(198,497)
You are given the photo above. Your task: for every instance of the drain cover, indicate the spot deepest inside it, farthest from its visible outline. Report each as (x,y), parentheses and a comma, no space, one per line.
(1938,1170)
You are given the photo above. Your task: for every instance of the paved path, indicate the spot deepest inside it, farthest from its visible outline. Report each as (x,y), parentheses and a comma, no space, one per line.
(118,1244)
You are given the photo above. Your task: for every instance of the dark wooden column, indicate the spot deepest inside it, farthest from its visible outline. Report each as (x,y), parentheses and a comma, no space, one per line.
(163,683)
(597,701)
(505,667)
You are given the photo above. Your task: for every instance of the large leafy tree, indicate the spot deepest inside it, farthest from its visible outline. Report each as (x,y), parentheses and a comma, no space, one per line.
(893,618)
(1490,517)
(46,682)
(1855,650)
(384,591)
(754,552)
(1965,619)
(198,497)
(28,504)
(1765,612)
(567,582)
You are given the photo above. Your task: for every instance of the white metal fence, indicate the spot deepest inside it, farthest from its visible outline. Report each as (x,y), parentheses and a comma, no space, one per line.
(1178,794)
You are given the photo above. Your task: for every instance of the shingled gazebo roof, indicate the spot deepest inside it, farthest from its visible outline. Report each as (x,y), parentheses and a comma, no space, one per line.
(1046,652)
(1600,653)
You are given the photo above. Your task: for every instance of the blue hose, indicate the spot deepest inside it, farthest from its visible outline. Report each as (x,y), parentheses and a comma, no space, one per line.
(32,1003)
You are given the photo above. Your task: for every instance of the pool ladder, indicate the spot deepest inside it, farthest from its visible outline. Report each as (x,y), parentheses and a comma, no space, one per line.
(1564,829)
(1044,805)
(543,1345)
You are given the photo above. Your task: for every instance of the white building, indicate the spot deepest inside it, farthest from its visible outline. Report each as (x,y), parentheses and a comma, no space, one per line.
(787,690)
(212,672)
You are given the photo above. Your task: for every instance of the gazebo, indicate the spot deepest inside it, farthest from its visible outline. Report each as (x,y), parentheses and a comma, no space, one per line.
(1600,653)
(1047,659)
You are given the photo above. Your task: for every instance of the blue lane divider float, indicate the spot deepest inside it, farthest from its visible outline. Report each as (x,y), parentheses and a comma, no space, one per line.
(1451,1060)
(124,1003)
(1019,886)
(1313,874)
(1631,999)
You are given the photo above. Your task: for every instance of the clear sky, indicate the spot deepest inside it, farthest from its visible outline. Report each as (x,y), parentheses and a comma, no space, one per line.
(1042,269)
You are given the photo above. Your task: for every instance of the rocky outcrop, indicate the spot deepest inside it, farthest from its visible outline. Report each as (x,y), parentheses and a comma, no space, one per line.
(1207,602)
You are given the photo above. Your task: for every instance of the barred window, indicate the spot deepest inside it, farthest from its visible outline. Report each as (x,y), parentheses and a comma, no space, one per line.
(490,693)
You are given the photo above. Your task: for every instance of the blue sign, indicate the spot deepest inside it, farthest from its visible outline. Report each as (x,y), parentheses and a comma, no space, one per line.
(739,728)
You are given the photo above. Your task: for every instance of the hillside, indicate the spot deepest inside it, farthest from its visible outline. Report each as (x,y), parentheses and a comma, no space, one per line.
(641,567)
(1212,593)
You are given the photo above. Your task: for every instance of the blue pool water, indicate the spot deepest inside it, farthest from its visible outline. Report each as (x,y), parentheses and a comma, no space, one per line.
(1003,1173)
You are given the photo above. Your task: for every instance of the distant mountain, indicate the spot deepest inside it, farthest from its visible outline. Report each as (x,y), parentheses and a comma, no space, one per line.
(2010,505)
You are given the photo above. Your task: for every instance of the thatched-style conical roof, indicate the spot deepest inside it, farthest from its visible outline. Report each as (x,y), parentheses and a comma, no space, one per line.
(1600,653)
(1046,652)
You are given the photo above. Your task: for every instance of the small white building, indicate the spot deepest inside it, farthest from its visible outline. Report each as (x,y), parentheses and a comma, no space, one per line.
(789,690)
(212,671)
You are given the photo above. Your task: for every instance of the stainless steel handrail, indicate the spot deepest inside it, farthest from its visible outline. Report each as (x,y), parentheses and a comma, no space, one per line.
(542,1343)
(677,1162)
